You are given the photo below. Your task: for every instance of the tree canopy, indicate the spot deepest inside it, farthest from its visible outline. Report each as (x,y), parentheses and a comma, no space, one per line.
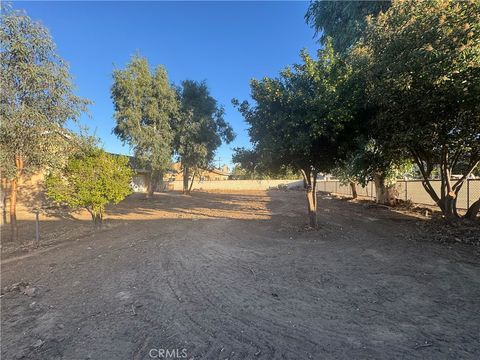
(343,21)
(145,107)
(200,129)
(296,120)
(424,76)
(249,165)
(36,99)
(91,180)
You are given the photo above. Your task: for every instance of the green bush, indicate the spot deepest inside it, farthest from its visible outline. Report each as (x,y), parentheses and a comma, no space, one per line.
(91,181)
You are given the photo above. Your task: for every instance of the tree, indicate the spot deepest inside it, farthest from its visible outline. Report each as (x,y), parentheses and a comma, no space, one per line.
(250,161)
(424,75)
(249,165)
(346,173)
(296,121)
(145,106)
(36,100)
(370,162)
(343,21)
(199,130)
(238,173)
(91,180)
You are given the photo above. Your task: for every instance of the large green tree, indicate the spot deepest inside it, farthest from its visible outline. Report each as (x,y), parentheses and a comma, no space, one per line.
(424,76)
(296,121)
(366,158)
(36,99)
(145,107)
(199,130)
(343,21)
(91,180)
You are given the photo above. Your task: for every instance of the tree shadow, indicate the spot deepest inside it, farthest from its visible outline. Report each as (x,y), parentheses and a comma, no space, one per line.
(32,198)
(59,225)
(275,214)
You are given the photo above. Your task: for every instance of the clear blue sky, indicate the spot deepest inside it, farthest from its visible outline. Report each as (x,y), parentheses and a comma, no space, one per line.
(224,43)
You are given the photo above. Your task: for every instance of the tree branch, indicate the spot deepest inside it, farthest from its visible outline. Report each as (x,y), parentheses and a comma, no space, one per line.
(472,165)
(426,182)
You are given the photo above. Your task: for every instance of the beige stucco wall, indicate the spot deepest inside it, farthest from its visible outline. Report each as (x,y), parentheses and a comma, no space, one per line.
(234,185)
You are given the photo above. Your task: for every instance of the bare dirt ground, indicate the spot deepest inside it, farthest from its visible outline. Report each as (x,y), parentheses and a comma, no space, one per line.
(236,276)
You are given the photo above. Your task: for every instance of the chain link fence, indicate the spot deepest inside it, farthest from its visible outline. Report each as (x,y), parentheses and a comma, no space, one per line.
(408,190)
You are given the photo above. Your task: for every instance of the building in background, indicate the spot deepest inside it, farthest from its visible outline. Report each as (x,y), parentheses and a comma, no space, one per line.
(212,174)
(141,179)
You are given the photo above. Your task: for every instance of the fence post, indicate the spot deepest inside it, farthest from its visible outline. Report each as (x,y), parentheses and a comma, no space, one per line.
(336,183)
(371,190)
(37,228)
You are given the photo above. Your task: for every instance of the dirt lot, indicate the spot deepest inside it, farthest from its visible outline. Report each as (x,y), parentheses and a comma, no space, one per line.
(236,276)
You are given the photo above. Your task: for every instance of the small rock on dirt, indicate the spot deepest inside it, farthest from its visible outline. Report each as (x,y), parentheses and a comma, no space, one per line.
(38,343)
(19,286)
(30,291)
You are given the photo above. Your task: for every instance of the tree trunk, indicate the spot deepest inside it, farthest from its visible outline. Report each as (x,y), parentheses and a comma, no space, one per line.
(94,218)
(384,194)
(185,180)
(100,220)
(312,207)
(152,186)
(160,182)
(13,210)
(391,194)
(191,183)
(447,200)
(473,210)
(13,197)
(448,205)
(4,201)
(311,192)
(353,186)
(97,219)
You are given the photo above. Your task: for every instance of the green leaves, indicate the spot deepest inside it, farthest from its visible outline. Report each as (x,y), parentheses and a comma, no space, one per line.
(344,21)
(91,181)
(297,117)
(424,74)
(421,66)
(157,120)
(145,107)
(201,127)
(37,95)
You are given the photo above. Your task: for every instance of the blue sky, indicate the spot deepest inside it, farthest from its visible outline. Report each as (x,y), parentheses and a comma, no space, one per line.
(224,43)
